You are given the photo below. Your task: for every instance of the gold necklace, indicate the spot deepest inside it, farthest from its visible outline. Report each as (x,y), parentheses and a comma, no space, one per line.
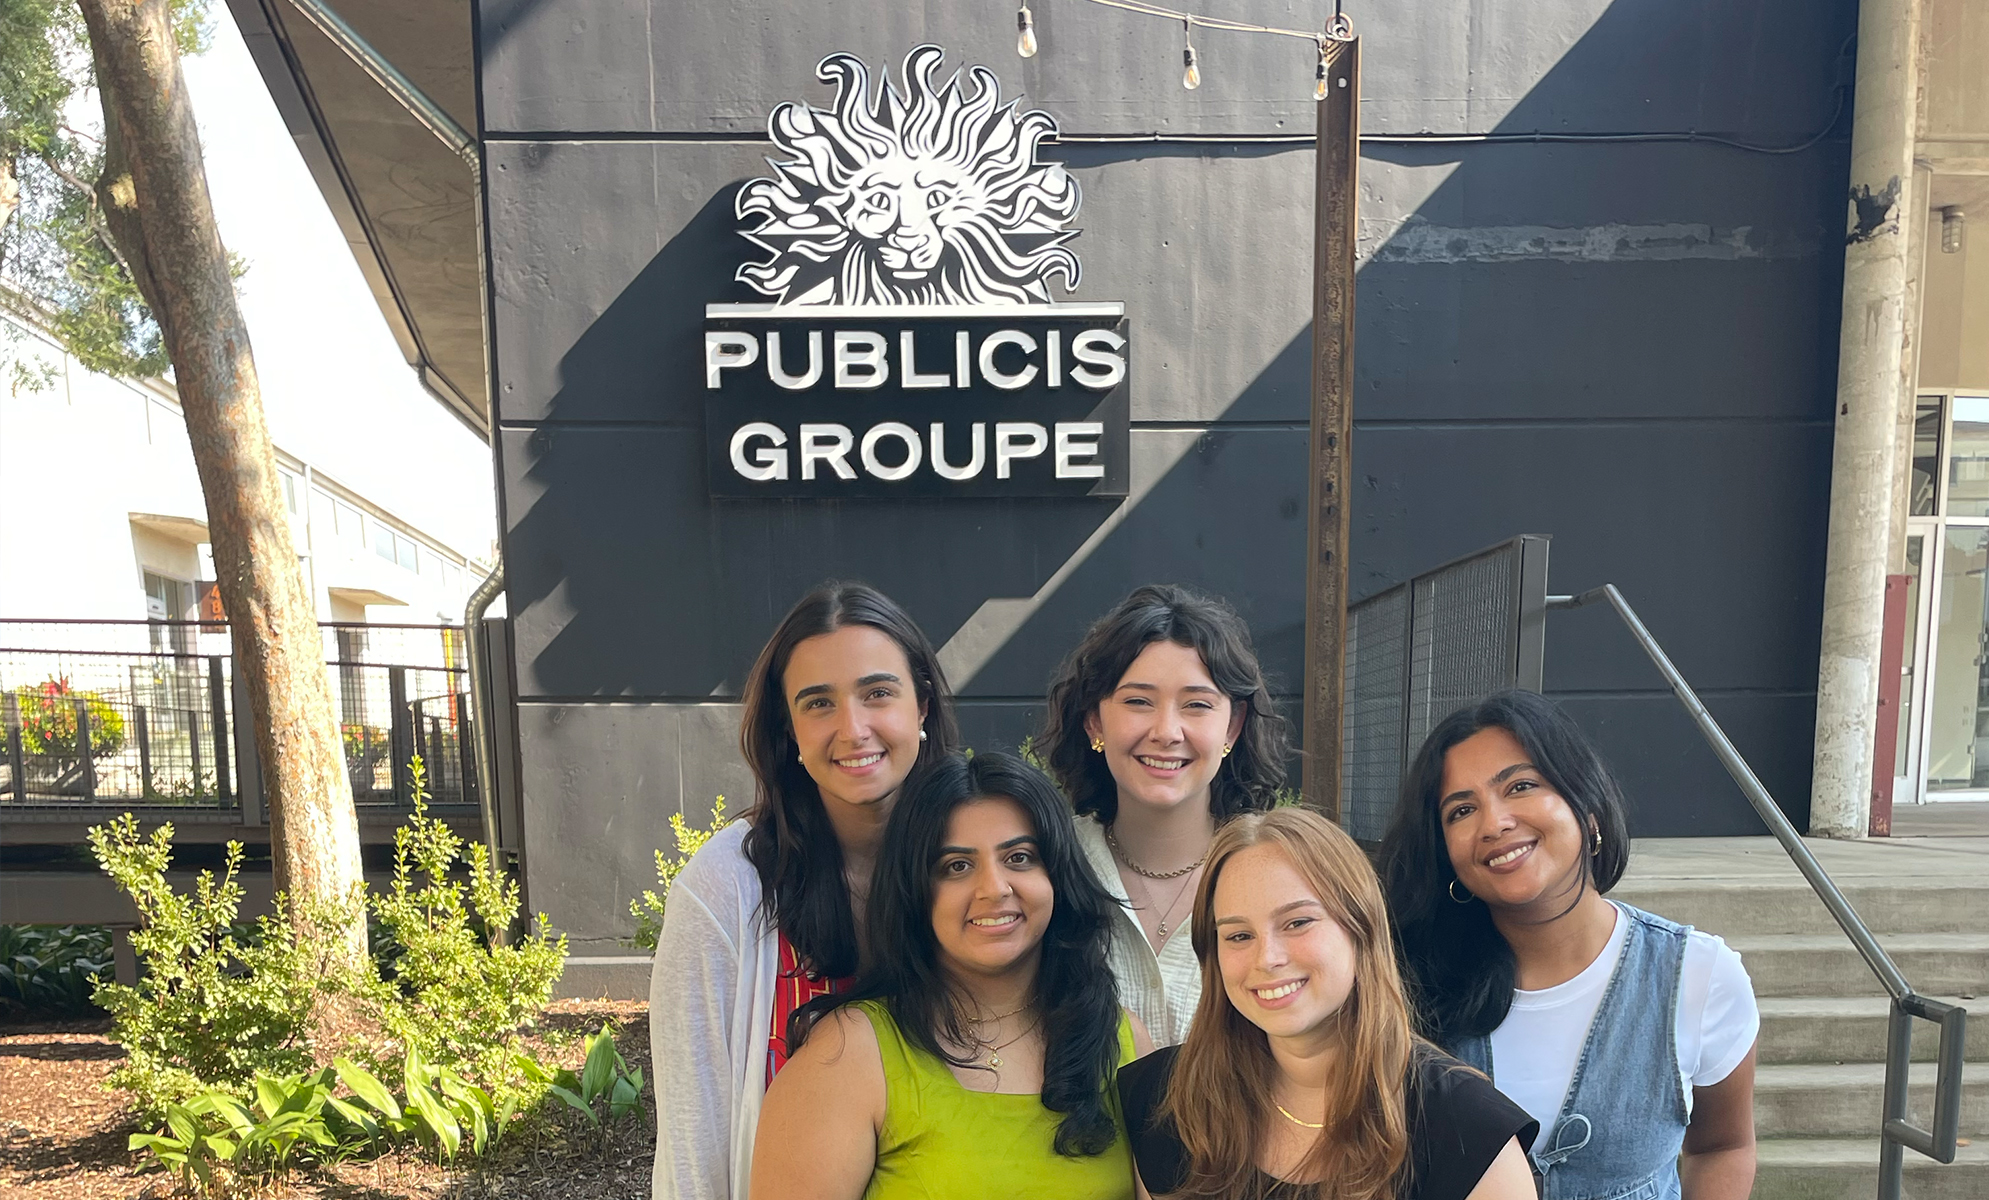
(1139,870)
(1161,931)
(1294,1120)
(994,1052)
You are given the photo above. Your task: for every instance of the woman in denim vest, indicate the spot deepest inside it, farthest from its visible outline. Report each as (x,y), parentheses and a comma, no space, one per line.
(1630,1038)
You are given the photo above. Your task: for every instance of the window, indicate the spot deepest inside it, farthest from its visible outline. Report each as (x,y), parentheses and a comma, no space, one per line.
(383,541)
(289,491)
(349,526)
(407,554)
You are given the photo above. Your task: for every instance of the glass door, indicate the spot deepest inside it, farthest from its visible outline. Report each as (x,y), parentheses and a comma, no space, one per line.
(1907,776)
(1951,666)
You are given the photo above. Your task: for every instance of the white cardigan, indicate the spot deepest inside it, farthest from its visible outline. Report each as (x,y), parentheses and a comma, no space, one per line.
(711,995)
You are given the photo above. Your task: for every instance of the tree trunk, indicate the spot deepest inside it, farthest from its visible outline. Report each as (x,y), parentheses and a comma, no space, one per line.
(154,193)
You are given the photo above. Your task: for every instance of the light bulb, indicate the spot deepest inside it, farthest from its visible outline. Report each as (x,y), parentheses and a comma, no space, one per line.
(1025,33)
(1319,87)
(1191,75)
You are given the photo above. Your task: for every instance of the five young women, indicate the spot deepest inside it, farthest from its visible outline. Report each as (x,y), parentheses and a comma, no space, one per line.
(1159,727)
(1629,1038)
(846,698)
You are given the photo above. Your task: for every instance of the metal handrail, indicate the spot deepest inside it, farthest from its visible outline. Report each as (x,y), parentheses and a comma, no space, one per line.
(1896,1130)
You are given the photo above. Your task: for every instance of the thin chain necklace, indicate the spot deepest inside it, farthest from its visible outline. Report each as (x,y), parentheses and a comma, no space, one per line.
(1161,931)
(999,1016)
(993,1060)
(1137,869)
(1294,1120)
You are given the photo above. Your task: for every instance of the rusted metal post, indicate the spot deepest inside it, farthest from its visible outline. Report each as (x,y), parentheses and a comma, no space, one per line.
(1335,213)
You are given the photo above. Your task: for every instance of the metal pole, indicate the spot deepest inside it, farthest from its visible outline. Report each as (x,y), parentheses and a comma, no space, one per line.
(1336,209)
(1870,349)
(217,702)
(83,749)
(483,746)
(138,719)
(16,761)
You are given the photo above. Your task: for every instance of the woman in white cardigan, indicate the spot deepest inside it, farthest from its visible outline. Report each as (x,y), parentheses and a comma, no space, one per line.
(844,701)
(1159,727)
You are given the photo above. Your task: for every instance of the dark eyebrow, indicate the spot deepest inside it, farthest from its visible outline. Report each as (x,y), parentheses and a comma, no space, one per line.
(819,689)
(878,677)
(1501,777)
(1030,838)
(1148,687)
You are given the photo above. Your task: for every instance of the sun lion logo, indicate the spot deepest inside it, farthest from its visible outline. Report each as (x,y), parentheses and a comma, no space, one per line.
(933,197)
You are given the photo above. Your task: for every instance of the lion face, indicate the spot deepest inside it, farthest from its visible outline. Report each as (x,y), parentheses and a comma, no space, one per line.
(934,197)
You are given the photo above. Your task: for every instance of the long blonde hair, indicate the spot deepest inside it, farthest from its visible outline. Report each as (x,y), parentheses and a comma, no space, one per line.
(1220,1097)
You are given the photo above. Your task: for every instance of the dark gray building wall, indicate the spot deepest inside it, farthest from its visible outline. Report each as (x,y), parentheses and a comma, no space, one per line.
(1629,345)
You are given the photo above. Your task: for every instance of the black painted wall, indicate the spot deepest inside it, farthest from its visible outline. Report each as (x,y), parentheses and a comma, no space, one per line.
(1629,345)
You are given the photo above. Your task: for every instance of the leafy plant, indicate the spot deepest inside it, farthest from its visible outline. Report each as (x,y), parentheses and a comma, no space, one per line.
(216,1006)
(52,969)
(605,1080)
(48,721)
(460,994)
(647,909)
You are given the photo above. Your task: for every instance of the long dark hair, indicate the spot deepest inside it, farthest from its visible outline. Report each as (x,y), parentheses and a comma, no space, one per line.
(791,843)
(1255,769)
(1074,994)
(1459,967)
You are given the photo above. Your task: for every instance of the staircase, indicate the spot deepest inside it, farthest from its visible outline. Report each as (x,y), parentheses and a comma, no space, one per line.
(1821,1059)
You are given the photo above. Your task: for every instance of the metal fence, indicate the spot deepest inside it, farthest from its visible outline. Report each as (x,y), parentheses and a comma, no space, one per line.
(145,713)
(1424,648)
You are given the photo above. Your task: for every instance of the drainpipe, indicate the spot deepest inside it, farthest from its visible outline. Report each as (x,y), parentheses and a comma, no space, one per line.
(482,743)
(1869,363)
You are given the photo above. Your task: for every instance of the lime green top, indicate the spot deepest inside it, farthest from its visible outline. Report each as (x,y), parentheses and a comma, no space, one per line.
(941,1141)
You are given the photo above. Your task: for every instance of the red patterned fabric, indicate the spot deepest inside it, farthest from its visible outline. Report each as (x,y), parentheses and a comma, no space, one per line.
(794,986)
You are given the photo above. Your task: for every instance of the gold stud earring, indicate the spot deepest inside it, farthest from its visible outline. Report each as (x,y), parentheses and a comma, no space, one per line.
(1098,744)
(1225,749)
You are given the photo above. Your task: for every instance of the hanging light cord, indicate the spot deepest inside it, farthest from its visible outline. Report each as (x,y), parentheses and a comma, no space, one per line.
(1340,30)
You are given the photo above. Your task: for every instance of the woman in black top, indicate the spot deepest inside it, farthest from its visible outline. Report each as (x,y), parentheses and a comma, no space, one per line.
(1300,1076)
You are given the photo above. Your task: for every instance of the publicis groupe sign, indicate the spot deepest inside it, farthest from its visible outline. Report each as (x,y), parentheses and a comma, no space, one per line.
(911,346)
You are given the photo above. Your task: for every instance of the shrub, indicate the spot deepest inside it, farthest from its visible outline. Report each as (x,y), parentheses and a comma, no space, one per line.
(647,909)
(460,994)
(51,969)
(214,1006)
(48,721)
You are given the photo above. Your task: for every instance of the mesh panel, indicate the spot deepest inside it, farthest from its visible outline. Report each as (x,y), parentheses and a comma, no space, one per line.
(1415,654)
(1465,625)
(1371,741)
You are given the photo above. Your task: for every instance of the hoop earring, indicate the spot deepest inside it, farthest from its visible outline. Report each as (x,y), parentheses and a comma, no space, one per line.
(1452,889)
(1098,744)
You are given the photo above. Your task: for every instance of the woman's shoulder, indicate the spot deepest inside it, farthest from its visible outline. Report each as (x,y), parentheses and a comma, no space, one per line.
(1448,1092)
(719,873)
(1143,1084)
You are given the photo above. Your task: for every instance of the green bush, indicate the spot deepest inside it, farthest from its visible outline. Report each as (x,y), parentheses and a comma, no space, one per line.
(647,909)
(50,969)
(217,1003)
(459,994)
(605,1081)
(48,721)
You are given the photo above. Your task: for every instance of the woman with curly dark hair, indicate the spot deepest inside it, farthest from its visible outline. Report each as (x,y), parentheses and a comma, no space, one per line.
(1159,727)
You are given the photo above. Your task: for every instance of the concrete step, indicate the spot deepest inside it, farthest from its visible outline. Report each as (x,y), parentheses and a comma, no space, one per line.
(1742,907)
(1847,1169)
(1853,1029)
(1845,1099)
(1796,964)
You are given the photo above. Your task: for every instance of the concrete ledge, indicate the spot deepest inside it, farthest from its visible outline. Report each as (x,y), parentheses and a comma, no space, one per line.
(604,977)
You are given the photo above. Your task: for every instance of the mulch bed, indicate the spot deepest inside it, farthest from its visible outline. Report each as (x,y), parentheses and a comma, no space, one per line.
(62,1136)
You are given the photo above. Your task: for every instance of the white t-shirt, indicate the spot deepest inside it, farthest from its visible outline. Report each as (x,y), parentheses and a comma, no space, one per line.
(1534,1051)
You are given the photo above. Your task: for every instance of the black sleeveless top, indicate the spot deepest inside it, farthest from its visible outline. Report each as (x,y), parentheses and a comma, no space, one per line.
(1458,1122)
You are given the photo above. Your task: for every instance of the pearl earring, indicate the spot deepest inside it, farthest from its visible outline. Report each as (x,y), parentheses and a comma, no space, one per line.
(921,735)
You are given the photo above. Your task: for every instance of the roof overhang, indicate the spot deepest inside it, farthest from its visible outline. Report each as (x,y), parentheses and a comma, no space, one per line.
(406,203)
(181,529)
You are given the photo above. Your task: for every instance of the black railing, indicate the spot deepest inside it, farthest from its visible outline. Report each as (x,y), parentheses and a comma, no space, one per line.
(156,702)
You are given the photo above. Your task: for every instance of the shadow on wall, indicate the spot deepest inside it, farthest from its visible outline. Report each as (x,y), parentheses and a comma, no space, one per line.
(1629,346)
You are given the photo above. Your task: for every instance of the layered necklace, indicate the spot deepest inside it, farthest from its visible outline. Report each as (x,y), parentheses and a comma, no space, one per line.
(1146,893)
(988,1053)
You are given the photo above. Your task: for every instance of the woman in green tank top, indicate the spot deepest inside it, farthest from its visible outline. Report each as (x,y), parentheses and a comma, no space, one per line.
(976,1055)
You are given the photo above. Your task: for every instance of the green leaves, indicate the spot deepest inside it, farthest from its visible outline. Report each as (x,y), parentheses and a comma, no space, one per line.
(647,909)
(604,1076)
(52,969)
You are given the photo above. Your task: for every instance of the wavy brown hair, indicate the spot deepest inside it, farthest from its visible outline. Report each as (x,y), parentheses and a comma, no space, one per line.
(1249,778)
(1220,1096)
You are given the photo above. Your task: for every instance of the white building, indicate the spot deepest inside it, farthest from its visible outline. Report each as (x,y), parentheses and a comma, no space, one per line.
(101,514)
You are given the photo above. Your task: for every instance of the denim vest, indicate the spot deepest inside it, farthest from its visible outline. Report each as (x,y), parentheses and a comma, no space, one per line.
(1623,1120)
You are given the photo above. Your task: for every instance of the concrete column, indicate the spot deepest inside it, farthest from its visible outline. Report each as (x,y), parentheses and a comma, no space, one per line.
(1868,381)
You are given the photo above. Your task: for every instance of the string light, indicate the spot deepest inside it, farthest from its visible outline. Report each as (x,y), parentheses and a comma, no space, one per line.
(1338,29)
